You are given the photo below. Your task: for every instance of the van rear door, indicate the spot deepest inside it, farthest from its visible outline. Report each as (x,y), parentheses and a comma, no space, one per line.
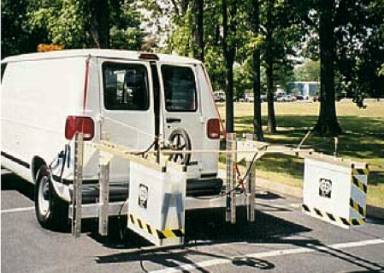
(127,103)
(183,123)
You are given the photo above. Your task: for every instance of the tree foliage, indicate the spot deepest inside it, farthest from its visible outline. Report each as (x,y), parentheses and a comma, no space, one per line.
(70,23)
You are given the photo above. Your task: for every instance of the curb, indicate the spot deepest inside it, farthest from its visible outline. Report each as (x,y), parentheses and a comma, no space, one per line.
(372,211)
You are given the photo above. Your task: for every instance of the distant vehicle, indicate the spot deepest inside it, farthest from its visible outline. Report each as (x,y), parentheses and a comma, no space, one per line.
(219,96)
(263,98)
(248,97)
(286,98)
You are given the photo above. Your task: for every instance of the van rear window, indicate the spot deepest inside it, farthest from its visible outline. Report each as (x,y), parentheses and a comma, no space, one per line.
(125,86)
(179,88)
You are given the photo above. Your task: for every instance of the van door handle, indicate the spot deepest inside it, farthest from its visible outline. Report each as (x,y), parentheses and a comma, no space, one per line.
(173,120)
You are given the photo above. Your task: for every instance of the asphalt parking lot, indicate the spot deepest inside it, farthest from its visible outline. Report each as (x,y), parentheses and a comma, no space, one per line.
(282,239)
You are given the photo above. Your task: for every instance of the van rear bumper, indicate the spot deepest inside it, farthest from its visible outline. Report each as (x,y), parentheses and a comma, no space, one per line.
(119,191)
(201,187)
(90,193)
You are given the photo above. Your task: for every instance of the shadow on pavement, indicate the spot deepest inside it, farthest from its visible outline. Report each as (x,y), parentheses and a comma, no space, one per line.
(207,227)
(12,182)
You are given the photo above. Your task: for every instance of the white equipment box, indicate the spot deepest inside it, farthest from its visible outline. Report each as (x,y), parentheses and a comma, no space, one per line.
(335,191)
(156,206)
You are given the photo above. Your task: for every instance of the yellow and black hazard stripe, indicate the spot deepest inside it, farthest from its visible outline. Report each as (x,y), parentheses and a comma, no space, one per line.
(364,171)
(356,206)
(357,179)
(333,218)
(160,234)
(360,185)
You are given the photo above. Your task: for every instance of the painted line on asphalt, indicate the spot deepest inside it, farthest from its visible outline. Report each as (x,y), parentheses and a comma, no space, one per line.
(17,210)
(274,253)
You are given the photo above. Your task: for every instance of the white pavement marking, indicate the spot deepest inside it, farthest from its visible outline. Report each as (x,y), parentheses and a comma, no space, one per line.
(17,210)
(274,253)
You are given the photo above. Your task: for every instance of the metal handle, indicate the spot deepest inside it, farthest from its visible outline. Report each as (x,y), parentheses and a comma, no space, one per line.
(173,120)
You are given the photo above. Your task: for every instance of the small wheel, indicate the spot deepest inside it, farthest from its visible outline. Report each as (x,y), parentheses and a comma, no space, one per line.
(180,142)
(51,210)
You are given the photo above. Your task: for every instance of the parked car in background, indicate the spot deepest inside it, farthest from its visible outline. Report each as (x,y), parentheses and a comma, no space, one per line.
(286,98)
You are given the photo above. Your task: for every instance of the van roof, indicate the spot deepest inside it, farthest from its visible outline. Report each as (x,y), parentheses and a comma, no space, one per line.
(107,53)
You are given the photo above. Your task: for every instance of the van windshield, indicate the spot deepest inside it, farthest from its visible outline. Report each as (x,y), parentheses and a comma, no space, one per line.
(179,88)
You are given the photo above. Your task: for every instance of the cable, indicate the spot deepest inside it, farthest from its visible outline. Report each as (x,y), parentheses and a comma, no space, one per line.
(244,177)
(146,150)
(304,138)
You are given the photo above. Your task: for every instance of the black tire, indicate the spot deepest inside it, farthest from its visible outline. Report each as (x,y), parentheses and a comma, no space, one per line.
(51,211)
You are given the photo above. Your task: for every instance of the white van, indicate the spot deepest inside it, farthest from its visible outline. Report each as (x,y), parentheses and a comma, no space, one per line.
(125,97)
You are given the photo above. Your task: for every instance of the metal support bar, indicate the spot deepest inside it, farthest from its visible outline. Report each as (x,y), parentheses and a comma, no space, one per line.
(103,197)
(230,215)
(251,181)
(77,185)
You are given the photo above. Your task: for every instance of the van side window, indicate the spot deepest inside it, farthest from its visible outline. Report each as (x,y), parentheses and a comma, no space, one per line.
(179,88)
(125,86)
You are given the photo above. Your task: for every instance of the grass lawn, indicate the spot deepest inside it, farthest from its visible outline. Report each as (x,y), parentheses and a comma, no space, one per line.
(362,140)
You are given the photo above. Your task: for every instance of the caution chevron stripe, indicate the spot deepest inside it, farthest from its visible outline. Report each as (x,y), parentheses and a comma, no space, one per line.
(360,171)
(354,205)
(359,184)
(333,218)
(160,234)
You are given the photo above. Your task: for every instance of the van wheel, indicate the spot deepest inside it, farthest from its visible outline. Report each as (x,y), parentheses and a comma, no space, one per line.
(51,210)
(180,142)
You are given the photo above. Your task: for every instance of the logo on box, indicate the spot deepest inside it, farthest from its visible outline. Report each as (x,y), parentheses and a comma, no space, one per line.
(325,188)
(143,196)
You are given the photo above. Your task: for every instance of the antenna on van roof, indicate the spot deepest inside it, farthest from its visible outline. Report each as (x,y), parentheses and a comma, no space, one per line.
(148,56)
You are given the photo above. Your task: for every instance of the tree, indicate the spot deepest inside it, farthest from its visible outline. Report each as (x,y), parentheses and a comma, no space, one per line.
(255,27)
(229,10)
(309,71)
(282,31)
(359,37)
(198,30)
(71,24)
(327,123)
(269,66)
(61,20)
(99,23)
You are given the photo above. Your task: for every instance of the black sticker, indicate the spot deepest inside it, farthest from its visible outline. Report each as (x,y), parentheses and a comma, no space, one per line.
(143,196)
(325,188)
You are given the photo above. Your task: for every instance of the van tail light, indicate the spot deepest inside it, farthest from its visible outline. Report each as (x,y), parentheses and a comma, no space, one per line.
(213,128)
(75,124)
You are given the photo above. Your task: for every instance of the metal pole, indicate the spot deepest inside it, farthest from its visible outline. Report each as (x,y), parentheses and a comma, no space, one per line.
(251,180)
(103,196)
(230,215)
(77,185)
(251,185)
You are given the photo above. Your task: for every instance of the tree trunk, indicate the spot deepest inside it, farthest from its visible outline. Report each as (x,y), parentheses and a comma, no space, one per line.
(198,48)
(327,123)
(99,25)
(229,56)
(257,125)
(229,95)
(269,70)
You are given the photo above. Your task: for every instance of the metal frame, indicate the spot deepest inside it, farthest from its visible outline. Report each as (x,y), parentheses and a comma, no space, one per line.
(236,151)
